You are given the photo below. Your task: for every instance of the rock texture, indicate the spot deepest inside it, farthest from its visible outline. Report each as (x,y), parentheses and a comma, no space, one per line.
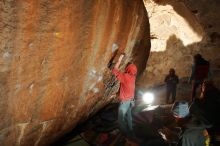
(54,62)
(179,29)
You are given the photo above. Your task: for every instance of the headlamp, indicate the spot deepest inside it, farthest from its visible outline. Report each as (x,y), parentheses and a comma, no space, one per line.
(148,97)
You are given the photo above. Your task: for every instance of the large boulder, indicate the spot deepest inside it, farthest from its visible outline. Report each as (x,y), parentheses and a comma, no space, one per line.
(54,62)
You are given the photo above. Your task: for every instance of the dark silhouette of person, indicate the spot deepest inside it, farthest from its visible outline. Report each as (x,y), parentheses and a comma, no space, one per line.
(171,82)
(200,72)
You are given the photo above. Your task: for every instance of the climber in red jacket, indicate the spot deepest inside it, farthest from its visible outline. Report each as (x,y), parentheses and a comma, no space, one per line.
(127,89)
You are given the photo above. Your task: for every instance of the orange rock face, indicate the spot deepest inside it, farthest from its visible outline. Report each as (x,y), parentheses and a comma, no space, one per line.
(54,62)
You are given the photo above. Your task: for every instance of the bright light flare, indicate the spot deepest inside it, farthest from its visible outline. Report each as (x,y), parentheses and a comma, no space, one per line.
(148,98)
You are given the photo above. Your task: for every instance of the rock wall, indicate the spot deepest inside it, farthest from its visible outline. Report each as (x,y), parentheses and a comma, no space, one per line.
(179,29)
(54,62)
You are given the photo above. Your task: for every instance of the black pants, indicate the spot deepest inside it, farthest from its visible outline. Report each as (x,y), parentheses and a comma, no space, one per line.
(195,85)
(171,91)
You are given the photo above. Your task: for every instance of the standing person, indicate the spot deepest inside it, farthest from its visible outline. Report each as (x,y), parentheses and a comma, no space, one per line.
(200,71)
(126,97)
(171,82)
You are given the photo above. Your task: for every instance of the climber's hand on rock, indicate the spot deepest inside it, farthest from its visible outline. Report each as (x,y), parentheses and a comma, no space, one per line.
(121,57)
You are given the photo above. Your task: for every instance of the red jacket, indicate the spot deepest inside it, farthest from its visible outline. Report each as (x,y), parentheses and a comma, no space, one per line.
(127,82)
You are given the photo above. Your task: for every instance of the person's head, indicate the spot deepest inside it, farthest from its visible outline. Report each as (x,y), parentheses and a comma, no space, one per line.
(131,69)
(197,58)
(180,111)
(172,71)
